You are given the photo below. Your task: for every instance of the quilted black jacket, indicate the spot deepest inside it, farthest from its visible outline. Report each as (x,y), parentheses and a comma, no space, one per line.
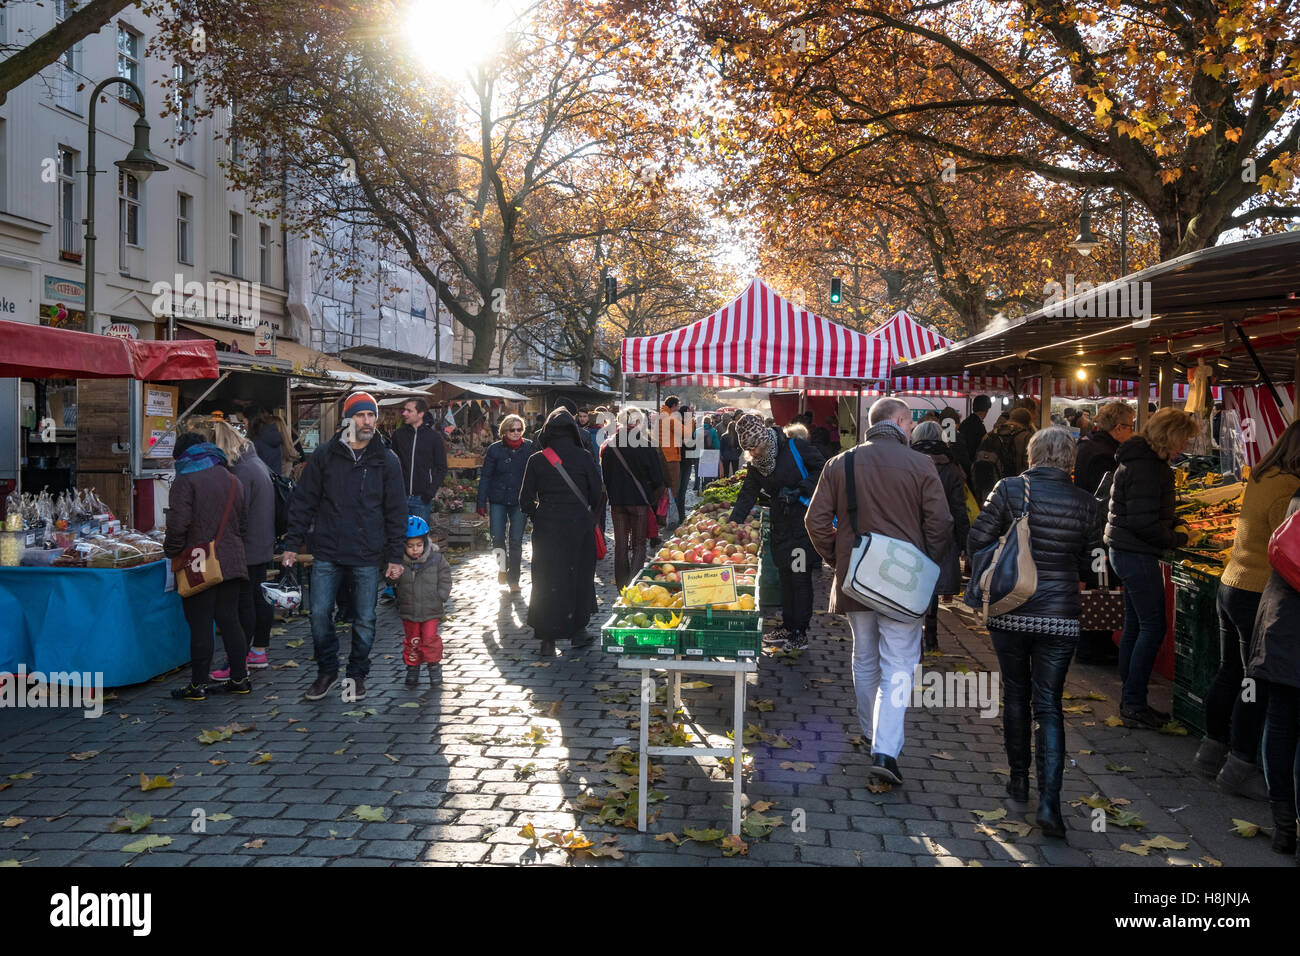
(1064,528)
(1141,516)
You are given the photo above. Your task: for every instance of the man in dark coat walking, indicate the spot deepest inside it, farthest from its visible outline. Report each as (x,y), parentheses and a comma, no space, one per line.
(972,430)
(423,453)
(352,490)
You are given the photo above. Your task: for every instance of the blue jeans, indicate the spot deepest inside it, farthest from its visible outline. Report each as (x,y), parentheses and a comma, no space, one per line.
(416,506)
(1144,623)
(513,558)
(324,589)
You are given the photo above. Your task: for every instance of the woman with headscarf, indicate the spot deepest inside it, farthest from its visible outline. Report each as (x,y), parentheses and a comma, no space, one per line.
(207,504)
(774,472)
(927,438)
(564,522)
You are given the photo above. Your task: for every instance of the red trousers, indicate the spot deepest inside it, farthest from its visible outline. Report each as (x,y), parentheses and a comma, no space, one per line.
(421,645)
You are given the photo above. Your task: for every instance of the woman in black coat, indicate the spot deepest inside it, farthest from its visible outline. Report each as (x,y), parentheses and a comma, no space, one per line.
(774,473)
(564,544)
(927,438)
(1275,658)
(1140,528)
(729,450)
(1036,641)
(501,478)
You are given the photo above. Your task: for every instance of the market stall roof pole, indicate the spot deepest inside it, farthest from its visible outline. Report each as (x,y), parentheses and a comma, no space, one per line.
(1166,382)
(1144,382)
(1047,385)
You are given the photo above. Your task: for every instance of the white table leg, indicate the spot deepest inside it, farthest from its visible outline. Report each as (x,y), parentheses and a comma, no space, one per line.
(738,751)
(647,695)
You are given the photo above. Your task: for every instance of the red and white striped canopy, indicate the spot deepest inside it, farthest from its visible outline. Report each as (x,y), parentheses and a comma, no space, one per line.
(760,339)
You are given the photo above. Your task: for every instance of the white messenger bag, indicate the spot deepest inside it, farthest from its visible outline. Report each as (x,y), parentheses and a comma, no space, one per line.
(895,578)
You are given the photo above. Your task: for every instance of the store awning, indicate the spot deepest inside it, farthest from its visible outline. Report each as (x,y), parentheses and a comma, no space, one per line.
(302,361)
(1254,284)
(442,390)
(38,351)
(760,338)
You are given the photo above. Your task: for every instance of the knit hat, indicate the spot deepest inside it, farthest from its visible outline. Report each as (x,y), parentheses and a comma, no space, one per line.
(359,402)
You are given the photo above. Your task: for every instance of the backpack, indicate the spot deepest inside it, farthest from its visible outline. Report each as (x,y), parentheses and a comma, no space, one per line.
(999,448)
(283,495)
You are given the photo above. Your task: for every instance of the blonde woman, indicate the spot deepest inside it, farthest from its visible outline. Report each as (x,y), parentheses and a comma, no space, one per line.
(498,490)
(1139,529)
(255,615)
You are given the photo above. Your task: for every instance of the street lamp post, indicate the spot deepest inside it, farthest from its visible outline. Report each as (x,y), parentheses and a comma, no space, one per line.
(1086,241)
(139,162)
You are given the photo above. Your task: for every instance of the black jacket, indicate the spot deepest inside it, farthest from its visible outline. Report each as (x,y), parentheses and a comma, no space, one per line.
(969,434)
(728,447)
(1141,518)
(645,465)
(1064,529)
(358,506)
(787,518)
(423,454)
(1275,644)
(1096,457)
(503,473)
(954,488)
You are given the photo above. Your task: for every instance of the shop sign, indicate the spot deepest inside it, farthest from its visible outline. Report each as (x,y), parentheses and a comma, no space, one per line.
(58,289)
(262,338)
(122,330)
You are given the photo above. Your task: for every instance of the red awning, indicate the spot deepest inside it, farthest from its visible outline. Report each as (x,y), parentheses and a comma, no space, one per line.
(760,339)
(38,351)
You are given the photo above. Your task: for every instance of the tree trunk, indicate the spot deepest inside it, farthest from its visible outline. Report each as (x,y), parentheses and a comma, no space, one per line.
(485,338)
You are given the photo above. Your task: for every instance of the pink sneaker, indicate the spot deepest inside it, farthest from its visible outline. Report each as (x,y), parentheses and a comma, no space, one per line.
(223,674)
(257,660)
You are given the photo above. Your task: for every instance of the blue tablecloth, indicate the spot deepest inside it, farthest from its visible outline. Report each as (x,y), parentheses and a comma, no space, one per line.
(117,621)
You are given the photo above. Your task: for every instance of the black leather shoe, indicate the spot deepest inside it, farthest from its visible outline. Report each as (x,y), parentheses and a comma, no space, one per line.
(1144,717)
(1049,818)
(1284,827)
(580,640)
(1051,769)
(547,650)
(886,768)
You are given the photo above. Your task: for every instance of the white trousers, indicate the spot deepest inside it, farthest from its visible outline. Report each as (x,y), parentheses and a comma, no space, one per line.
(885,655)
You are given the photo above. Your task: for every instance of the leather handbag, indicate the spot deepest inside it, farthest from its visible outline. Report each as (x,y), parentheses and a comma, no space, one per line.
(1003,574)
(550,455)
(893,577)
(1284,550)
(198,569)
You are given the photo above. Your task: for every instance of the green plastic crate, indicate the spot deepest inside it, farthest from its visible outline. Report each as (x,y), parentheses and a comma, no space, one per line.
(1196,643)
(641,641)
(738,634)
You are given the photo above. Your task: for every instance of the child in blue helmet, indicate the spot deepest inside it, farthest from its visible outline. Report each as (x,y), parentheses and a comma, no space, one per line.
(422,591)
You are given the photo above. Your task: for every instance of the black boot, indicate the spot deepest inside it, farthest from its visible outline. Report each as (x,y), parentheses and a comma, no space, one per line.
(1015,732)
(412,676)
(1284,827)
(547,650)
(1051,768)
(435,674)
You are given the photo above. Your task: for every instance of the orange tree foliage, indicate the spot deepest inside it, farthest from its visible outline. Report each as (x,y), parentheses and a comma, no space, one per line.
(1187,106)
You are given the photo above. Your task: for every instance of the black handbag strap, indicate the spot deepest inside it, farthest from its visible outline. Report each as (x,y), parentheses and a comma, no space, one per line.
(851,489)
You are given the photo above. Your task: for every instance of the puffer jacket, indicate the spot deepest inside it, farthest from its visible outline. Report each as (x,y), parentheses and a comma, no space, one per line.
(425,585)
(1141,518)
(503,473)
(954,487)
(1096,457)
(1275,644)
(358,506)
(1064,529)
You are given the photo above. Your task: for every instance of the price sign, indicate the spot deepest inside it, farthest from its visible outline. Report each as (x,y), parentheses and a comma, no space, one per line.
(708,586)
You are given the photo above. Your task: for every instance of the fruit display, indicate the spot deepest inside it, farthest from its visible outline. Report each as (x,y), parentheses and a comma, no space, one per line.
(1209,507)
(670,575)
(709,536)
(724,490)
(651,595)
(641,619)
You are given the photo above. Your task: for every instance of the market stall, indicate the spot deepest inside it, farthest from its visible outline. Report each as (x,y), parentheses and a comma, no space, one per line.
(72,559)
(1226,317)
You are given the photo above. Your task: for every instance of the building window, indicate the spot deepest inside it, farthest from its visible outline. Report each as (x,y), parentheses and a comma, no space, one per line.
(128,59)
(236,244)
(184,229)
(128,206)
(264,254)
(65,81)
(183,108)
(69,235)
(234,148)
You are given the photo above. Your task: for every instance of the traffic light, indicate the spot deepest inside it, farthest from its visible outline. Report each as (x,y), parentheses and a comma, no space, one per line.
(611,289)
(835,290)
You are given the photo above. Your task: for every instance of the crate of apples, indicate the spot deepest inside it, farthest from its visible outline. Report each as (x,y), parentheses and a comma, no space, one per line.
(704,539)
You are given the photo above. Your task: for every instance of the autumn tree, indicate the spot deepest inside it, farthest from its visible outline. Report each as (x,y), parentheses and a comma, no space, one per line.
(351,127)
(27,53)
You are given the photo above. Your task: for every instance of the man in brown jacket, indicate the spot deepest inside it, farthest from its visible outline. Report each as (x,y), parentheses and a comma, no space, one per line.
(899,495)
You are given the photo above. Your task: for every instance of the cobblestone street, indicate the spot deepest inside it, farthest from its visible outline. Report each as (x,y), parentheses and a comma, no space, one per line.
(509,741)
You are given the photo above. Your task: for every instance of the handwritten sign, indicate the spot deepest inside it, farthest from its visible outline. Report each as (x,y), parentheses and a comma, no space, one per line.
(708,586)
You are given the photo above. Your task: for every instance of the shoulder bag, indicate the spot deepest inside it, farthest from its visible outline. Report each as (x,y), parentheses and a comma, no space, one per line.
(1284,550)
(198,569)
(893,577)
(1003,574)
(652,522)
(550,455)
